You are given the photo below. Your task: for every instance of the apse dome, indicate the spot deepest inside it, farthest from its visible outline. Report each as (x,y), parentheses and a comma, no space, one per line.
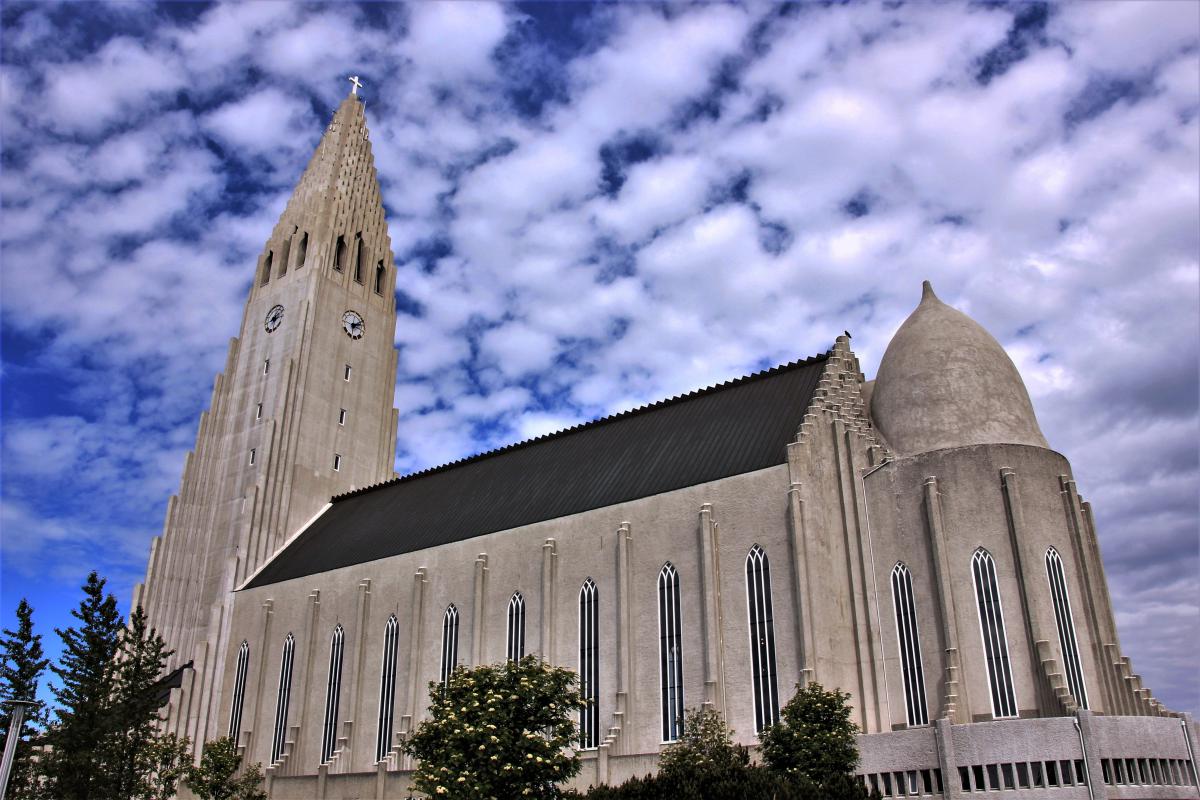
(946,382)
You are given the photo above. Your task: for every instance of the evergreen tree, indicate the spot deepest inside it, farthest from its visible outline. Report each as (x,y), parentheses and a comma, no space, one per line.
(140,761)
(73,768)
(216,778)
(814,738)
(498,731)
(21,666)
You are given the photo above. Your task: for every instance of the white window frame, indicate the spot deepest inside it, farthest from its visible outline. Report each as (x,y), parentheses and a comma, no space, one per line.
(337,462)
(387,689)
(266,366)
(515,640)
(346,374)
(761,626)
(253,455)
(449,643)
(1065,622)
(284,696)
(993,636)
(670,653)
(333,693)
(258,412)
(589,666)
(342,416)
(239,691)
(908,642)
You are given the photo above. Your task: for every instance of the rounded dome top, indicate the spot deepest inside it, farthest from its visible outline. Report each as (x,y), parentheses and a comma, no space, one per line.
(946,382)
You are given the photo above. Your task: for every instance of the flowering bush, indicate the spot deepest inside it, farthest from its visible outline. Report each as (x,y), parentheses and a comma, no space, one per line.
(497,732)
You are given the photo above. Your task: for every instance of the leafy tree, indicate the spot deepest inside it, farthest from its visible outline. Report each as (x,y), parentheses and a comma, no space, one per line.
(498,731)
(72,766)
(705,748)
(21,666)
(814,738)
(215,778)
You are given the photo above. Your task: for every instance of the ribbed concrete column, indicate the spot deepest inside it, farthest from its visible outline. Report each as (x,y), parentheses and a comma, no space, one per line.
(1097,790)
(362,611)
(947,760)
(806,651)
(477,612)
(264,648)
(710,594)
(955,706)
(624,612)
(1027,560)
(416,638)
(549,604)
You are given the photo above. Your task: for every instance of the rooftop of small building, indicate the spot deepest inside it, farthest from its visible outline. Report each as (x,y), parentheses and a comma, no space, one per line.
(731,428)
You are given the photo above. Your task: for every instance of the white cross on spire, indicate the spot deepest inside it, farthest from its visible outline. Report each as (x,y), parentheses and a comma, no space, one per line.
(357,84)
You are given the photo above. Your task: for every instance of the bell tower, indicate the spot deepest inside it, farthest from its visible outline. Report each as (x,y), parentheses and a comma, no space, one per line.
(302,411)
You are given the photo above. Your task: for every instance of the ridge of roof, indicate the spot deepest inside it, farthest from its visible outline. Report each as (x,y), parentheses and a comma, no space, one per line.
(593,423)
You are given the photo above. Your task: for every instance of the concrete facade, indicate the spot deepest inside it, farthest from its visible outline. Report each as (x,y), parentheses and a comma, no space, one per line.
(915,469)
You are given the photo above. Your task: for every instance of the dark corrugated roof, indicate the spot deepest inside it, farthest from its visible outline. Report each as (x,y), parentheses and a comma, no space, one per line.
(735,427)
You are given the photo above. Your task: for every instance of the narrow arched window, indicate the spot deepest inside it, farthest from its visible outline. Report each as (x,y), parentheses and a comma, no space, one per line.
(284,253)
(303,251)
(670,652)
(333,692)
(387,689)
(762,639)
(284,698)
(380,275)
(1066,627)
(239,691)
(515,650)
(995,640)
(359,254)
(589,667)
(266,270)
(339,254)
(910,646)
(449,642)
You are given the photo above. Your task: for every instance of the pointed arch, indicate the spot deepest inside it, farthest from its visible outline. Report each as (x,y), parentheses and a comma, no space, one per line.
(339,254)
(283,699)
(302,252)
(762,638)
(449,642)
(333,692)
(991,629)
(239,691)
(589,666)
(387,689)
(915,703)
(1066,627)
(515,649)
(670,652)
(380,277)
(359,255)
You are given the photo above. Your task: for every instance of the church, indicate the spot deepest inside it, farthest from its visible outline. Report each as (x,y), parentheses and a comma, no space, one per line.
(910,539)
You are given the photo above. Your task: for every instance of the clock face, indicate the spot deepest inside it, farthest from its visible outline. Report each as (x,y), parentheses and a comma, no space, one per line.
(353,325)
(274,317)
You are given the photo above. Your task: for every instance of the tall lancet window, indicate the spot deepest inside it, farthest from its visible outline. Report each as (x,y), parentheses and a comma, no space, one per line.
(387,689)
(266,273)
(380,276)
(359,255)
(302,253)
(333,692)
(285,695)
(589,667)
(1066,627)
(339,254)
(239,691)
(762,639)
(995,641)
(284,253)
(910,646)
(449,642)
(670,652)
(515,650)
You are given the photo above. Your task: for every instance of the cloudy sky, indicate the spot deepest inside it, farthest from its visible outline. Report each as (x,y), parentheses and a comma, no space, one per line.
(598,206)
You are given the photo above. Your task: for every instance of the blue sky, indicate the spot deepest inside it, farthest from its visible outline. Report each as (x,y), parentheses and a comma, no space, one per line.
(599,206)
